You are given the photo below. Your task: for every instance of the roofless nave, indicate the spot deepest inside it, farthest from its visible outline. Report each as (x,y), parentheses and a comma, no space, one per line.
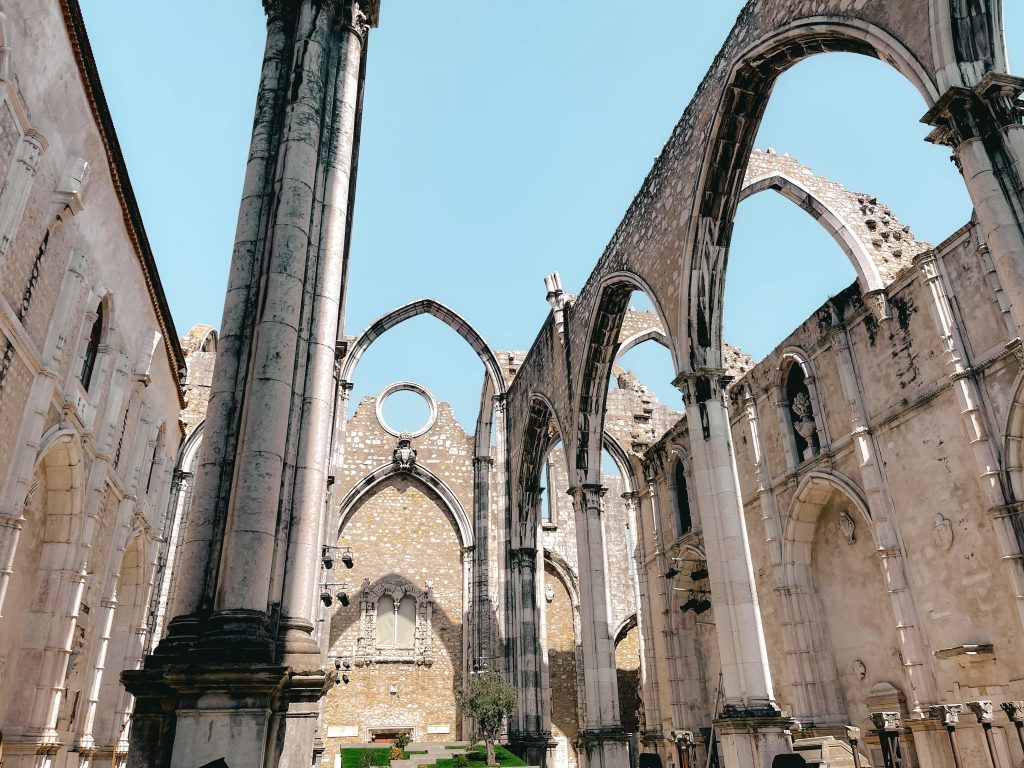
(840,522)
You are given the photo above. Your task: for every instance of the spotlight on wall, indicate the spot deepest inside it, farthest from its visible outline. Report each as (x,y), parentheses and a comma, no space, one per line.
(337,664)
(345,678)
(702,606)
(700,572)
(689,605)
(325,555)
(672,572)
(346,558)
(326,599)
(343,598)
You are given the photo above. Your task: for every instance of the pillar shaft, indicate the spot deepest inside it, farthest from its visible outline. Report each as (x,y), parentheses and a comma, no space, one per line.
(746,676)
(245,604)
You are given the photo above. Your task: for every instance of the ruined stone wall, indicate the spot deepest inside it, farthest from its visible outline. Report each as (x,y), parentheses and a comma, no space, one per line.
(402,533)
(930,492)
(85,466)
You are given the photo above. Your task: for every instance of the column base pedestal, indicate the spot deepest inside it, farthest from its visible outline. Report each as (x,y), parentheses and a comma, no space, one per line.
(258,715)
(605,747)
(535,749)
(753,742)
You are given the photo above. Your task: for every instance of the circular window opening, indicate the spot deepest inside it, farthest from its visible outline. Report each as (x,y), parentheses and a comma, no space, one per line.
(406,407)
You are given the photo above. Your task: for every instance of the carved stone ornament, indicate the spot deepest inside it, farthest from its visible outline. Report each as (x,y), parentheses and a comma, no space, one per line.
(982,710)
(404,456)
(858,669)
(847,528)
(549,592)
(885,721)
(1014,710)
(942,532)
(949,714)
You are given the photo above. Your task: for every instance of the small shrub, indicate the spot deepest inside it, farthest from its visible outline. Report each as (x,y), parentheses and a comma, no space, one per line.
(460,761)
(396,753)
(402,740)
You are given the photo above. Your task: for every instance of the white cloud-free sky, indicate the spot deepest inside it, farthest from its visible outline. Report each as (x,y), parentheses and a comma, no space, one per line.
(502,142)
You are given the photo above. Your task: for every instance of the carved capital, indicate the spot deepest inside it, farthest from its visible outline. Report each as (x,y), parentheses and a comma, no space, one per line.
(702,385)
(962,114)
(982,710)
(1014,710)
(949,714)
(524,557)
(852,734)
(886,721)
(589,496)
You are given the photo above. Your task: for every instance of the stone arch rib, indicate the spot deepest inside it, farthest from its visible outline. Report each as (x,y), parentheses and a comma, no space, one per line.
(599,356)
(436,309)
(360,490)
(744,96)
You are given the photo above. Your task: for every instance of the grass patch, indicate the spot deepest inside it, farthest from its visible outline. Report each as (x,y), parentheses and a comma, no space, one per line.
(478,758)
(352,757)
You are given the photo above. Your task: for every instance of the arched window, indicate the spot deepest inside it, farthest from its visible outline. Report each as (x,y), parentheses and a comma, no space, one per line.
(801,414)
(405,622)
(92,349)
(154,460)
(684,521)
(386,621)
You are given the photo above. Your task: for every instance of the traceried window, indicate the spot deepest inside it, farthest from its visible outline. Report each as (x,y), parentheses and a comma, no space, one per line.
(395,624)
(92,349)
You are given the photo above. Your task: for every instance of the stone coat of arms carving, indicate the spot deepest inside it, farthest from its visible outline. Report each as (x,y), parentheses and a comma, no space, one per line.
(942,532)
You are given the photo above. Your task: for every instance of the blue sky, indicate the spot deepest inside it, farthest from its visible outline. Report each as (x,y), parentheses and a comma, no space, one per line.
(503,142)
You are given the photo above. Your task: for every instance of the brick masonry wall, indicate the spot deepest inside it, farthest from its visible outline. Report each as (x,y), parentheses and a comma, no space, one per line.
(400,534)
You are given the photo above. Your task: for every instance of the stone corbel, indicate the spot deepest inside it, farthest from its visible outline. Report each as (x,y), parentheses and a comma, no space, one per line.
(878,302)
(70,188)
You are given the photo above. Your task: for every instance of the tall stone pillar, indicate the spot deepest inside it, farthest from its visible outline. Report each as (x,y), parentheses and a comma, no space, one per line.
(751,725)
(983,127)
(604,741)
(239,674)
(533,735)
(481,648)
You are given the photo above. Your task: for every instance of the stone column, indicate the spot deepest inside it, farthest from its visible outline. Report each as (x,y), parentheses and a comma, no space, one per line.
(949,714)
(239,663)
(751,725)
(648,661)
(983,711)
(1015,711)
(887,727)
(982,126)
(10,532)
(602,735)
(532,737)
(481,612)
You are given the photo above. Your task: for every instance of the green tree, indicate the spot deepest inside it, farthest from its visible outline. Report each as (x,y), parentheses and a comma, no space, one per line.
(489,700)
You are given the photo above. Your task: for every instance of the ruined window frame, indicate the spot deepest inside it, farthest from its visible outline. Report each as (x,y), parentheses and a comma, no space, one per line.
(370,649)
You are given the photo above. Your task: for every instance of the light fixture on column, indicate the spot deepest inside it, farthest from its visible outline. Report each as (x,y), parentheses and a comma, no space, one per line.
(700,572)
(672,572)
(691,604)
(327,556)
(703,606)
(342,594)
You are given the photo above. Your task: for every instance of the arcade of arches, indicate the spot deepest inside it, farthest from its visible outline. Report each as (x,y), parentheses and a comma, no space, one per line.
(820,552)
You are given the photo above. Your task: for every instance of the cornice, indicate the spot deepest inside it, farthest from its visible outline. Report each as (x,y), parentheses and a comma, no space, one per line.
(75,25)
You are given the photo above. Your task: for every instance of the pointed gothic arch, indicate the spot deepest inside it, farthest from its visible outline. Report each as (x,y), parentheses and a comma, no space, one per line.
(744,96)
